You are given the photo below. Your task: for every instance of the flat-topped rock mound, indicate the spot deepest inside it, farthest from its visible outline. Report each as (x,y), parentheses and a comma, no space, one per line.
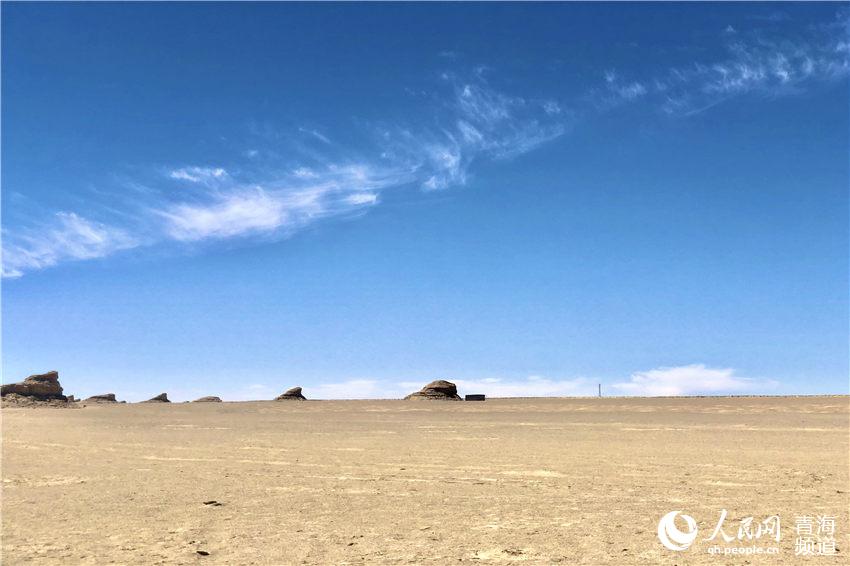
(293,394)
(40,386)
(208,399)
(440,390)
(105,398)
(161,398)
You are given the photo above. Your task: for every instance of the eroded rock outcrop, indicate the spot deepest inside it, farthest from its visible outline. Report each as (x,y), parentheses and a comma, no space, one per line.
(209,399)
(293,394)
(11,400)
(43,386)
(440,390)
(161,398)
(105,398)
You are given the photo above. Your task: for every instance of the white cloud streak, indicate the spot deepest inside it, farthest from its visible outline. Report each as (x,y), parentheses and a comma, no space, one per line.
(251,210)
(215,204)
(475,122)
(67,237)
(757,62)
(481,123)
(281,206)
(696,379)
(316,134)
(198,174)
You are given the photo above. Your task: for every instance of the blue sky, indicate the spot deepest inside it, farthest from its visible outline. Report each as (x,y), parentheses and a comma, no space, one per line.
(234,199)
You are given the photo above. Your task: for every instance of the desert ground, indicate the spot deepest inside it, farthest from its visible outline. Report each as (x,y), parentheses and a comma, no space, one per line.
(539,481)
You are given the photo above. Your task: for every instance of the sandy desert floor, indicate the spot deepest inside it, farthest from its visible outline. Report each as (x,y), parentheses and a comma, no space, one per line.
(539,481)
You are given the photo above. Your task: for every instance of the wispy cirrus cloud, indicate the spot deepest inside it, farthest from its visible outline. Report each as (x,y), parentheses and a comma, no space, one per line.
(479,122)
(760,61)
(356,199)
(231,214)
(315,134)
(66,237)
(298,178)
(198,174)
(275,199)
(281,204)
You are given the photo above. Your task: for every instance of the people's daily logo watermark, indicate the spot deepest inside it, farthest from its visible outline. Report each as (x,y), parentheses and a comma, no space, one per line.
(815,534)
(671,536)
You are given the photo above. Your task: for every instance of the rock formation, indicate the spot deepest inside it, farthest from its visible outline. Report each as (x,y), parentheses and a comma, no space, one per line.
(161,398)
(14,400)
(105,398)
(291,394)
(210,399)
(40,386)
(439,390)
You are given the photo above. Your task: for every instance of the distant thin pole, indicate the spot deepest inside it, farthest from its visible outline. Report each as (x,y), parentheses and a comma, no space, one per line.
(600,390)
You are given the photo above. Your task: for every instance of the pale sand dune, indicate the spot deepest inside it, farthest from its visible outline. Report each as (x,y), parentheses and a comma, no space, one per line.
(539,481)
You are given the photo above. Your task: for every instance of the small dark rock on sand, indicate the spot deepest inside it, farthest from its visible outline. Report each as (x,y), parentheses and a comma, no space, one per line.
(439,390)
(291,394)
